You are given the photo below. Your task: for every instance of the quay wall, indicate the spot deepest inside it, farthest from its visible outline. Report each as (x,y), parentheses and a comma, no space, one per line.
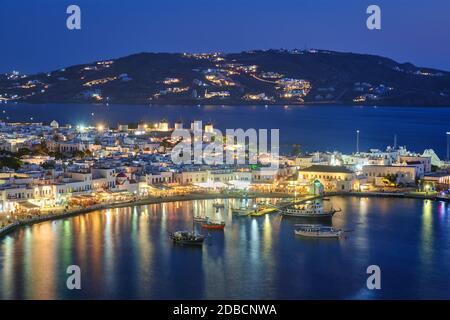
(200,196)
(433,197)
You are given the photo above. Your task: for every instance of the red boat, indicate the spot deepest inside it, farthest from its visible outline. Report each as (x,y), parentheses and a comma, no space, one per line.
(213,225)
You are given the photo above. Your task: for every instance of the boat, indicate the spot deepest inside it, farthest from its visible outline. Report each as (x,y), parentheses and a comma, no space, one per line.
(218,205)
(241,212)
(200,219)
(214,225)
(262,210)
(310,209)
(186,237)
(318,231)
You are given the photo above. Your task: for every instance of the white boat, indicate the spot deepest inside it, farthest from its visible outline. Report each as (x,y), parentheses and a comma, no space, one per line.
(310,209)
(244,210)
(317,231)
(200,219)
(241,212)
(218,205)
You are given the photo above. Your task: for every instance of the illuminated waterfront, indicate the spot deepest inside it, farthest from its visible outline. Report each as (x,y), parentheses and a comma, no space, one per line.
(126,253)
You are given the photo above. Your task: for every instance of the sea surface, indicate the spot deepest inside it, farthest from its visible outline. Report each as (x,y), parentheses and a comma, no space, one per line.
(314,128)
(126,254)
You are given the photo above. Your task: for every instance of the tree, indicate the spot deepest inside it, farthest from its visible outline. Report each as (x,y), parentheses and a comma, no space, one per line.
(23,152)
(48,165)
(40,149)
(10,162)
(78,154)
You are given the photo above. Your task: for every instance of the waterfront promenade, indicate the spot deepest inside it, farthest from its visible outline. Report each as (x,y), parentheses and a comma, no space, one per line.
(205,196)
(137,202)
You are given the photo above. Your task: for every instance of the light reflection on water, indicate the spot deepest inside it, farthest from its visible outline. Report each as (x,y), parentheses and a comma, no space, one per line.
(125,253)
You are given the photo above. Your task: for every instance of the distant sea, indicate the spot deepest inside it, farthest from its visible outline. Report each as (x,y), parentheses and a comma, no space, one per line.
(314,128)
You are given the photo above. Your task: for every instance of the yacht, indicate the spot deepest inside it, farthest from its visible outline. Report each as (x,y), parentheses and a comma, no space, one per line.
(318,231)
(310,209)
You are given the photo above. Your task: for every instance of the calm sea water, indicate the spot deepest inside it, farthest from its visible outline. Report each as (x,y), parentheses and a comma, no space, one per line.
(125,253)
(315,128)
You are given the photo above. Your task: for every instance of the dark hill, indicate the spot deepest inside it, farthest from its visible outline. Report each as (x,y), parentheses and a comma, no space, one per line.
(256,77)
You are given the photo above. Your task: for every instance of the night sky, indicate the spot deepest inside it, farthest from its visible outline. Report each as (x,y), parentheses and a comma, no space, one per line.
(34,37)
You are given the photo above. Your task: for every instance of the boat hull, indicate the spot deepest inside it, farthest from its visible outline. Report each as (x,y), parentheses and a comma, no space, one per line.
(263,212)
(186,238)
(241,212)
(189,242)
(331,235)
(312,216)
(213,226)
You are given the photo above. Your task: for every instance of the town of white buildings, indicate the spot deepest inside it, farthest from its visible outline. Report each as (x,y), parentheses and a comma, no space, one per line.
(53,168)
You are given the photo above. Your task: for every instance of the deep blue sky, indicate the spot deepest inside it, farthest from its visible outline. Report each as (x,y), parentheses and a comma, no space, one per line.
(33,34)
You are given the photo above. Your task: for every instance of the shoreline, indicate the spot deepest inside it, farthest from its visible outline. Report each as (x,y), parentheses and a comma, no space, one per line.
(78,211)
(253,104)
(207,196)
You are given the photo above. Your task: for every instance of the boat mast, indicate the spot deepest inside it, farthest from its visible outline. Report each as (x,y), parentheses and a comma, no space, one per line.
(193,224)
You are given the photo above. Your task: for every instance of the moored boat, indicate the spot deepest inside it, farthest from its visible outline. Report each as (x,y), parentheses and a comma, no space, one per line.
(186,237)
(262,210)
(200,219)
(241,212)
(318,231)
(214,225)
(218,205)
(310,209)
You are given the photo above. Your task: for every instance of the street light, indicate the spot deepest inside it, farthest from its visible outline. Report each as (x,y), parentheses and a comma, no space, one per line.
(448,145)
(357,141)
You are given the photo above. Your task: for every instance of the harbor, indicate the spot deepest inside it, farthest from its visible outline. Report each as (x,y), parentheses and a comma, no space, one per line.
(252,258)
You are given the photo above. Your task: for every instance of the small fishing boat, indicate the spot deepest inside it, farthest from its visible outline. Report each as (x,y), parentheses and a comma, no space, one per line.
(262,210)
(200,219)
(186,237)
(214,225)
(218,205)
(242,212)
(318,231)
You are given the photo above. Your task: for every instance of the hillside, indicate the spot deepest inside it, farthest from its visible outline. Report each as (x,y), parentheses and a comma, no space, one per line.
(256,77)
